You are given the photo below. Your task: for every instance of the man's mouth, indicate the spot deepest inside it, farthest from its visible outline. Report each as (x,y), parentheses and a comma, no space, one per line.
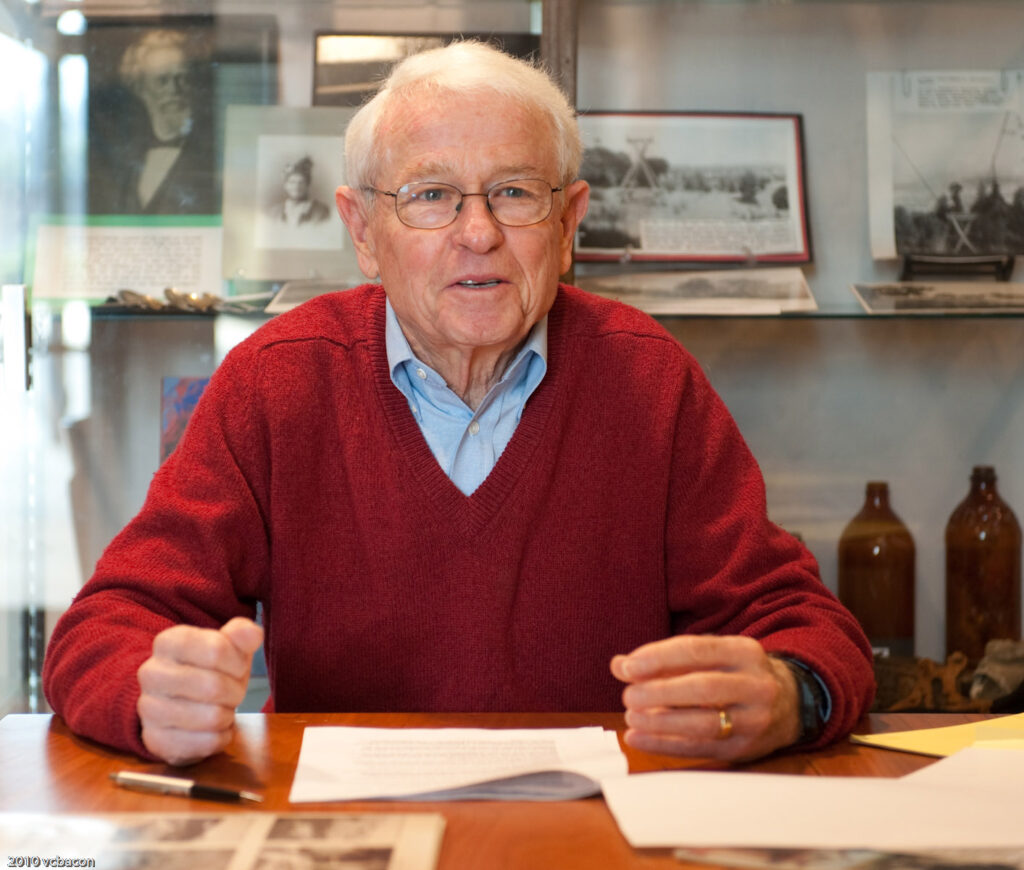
(493,282)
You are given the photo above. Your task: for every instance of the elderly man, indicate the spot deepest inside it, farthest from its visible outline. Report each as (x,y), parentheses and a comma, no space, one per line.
(151,148)
(465,488)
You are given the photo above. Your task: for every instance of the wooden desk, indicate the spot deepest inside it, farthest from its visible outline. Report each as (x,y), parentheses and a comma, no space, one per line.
(45,768)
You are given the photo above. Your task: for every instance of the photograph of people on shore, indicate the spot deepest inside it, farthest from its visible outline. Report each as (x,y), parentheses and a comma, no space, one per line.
(946,163)
(694,187)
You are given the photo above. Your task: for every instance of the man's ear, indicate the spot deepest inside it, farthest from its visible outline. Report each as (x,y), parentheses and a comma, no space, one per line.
(353,210)
(577,198)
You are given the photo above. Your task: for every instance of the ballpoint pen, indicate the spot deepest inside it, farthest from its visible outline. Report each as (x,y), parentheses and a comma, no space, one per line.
(180,786)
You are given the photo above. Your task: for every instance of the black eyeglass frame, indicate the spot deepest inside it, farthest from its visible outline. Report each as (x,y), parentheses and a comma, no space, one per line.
(462,195)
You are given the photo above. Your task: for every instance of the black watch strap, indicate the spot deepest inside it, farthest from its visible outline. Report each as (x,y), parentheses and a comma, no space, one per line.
(811,699)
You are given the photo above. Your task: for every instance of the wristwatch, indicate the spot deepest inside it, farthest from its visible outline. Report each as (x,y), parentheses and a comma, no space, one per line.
(813,703)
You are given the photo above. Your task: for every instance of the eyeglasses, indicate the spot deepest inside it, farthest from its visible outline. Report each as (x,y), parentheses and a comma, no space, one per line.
(430,205)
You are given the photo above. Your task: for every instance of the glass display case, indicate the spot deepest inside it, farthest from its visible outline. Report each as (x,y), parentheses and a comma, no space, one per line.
(114,192)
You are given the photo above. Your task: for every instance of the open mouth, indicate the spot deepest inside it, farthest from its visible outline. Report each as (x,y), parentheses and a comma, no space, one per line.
(493,282)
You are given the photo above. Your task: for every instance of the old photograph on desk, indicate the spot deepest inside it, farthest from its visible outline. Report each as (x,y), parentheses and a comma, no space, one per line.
(854,859)
(230,841)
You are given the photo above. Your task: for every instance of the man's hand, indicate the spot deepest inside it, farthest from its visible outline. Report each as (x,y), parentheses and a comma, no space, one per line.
(686,691)
(191,686)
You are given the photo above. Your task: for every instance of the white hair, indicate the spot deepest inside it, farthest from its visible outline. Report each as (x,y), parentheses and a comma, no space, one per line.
(133,60)
(465,67)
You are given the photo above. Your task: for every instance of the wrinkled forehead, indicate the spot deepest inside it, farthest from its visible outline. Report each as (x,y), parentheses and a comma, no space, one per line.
(163,59)
(434,133)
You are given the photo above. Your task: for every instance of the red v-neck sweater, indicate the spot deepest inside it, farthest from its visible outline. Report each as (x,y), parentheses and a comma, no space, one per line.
(625,508)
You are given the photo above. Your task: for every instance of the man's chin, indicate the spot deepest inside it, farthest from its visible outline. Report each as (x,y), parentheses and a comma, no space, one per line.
(481,333)
(170,124)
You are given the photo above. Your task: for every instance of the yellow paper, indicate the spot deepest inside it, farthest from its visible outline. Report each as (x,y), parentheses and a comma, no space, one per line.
(1017,744)
(951,738)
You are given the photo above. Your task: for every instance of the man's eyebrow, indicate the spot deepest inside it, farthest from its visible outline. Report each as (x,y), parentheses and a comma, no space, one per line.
(444,172)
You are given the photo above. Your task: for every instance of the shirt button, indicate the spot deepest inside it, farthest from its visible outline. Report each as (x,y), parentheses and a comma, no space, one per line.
(422,375)
(474,427)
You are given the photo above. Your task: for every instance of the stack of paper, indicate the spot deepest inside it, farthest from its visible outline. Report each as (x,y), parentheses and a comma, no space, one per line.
(342,763)
(971,799)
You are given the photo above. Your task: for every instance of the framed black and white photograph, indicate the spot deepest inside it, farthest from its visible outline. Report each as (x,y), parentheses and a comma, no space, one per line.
(158,89)
(282,166)
(348,67)
(694,187)
(946,162)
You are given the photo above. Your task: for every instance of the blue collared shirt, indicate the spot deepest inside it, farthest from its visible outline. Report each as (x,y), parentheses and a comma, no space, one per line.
(466,444)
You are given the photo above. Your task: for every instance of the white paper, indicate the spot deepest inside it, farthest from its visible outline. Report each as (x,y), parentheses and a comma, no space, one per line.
(879,137)
(985,766)
(94,262)
(727,809)
(343,763)
(294,293)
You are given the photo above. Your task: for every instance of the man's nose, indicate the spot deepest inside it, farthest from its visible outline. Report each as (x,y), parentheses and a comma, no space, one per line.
(476,225)
(175,83)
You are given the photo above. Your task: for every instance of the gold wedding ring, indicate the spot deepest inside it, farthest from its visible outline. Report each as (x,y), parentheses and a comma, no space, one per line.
(724,724)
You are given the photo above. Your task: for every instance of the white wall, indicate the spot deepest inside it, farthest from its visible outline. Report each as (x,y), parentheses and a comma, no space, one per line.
(830,403)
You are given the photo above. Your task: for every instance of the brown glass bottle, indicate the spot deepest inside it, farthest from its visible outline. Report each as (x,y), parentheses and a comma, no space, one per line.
(876,574)
(982,569)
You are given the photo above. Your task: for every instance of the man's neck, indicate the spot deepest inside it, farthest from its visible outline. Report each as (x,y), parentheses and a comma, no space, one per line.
(469,374)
